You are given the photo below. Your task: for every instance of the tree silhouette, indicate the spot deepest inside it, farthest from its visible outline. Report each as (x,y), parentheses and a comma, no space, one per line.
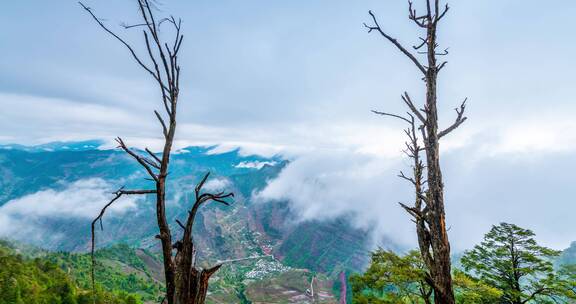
(185,282)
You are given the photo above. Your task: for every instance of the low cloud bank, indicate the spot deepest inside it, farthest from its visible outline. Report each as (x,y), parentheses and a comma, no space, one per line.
(363,188)
(481,190)
(26,217)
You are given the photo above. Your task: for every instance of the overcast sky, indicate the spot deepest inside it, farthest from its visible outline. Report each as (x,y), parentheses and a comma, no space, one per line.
(300,78)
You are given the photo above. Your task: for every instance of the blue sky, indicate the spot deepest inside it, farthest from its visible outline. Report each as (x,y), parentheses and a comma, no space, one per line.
(299,78)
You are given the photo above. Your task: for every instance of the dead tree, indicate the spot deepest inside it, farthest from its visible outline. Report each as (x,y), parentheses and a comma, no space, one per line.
(185,282)
(428,209)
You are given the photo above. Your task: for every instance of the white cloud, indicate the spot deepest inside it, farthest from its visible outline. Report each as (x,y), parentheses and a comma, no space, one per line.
(44,119)
(479,192)
(217,184)
(537,135)
(541,131)
(359,186)
(254,164)
(83,200)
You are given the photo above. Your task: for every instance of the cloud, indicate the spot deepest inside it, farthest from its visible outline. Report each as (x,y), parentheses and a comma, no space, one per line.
(346,184)
(25,217)
(550,133)
(80,199)
(40,118)
(480,192)
(254,164)
(313,90)
(540,131)
(531,190)
(217,184)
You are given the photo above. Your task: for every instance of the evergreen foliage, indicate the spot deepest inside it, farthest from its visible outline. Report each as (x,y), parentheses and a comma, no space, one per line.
(41,281)
(396,279)
(510,260)
(119,269)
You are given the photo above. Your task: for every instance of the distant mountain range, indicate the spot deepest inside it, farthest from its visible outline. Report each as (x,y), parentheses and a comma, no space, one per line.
(50,192)
(56,146)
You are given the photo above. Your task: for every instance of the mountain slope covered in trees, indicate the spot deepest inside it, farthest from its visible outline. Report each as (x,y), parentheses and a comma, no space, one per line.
(26,279)
(34,176)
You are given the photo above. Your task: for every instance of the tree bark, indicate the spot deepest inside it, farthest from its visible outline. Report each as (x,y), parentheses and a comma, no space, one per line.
(428,209)
(442,273)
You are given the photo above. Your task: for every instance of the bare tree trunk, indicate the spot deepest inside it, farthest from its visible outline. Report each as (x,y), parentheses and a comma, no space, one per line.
(428,210)
(442,276)
(185,283)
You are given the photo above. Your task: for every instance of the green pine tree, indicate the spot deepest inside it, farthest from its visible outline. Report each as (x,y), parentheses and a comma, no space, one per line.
(510,260)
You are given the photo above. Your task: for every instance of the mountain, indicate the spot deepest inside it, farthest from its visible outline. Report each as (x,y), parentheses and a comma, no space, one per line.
(51,192)
(56,146)
(568,255)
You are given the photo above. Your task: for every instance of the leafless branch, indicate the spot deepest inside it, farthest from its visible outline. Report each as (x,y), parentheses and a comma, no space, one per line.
(394,41)
(180,224)
(391,115)
(129,26)
(444,53)
(410,179)
(460,119)
(141,160)
(446,9)
(153,155)
(419,20)
(161,120)
(119,193)
(204,197)
(408,101)
(419,46)
(441,66)
(412,211)
(89,10)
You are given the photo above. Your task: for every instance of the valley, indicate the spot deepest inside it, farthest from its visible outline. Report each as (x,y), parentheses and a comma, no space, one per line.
(292,253)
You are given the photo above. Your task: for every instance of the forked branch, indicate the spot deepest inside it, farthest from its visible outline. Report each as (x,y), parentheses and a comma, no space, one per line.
(144,162)
(132,52)
(443,13)
(460,119)
(119,193)
(408,101)
(201,198)
(421,21)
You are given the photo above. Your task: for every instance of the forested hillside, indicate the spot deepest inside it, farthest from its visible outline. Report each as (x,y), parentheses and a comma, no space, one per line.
(26,279)
(126,275)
